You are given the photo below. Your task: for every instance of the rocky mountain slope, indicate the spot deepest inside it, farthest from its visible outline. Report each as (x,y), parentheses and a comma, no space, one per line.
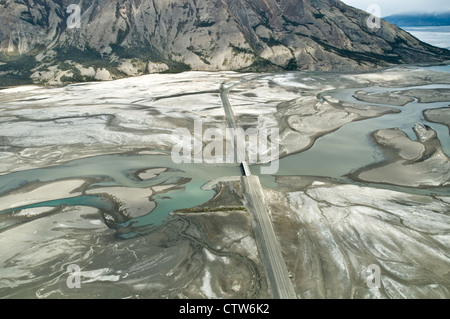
(42,41)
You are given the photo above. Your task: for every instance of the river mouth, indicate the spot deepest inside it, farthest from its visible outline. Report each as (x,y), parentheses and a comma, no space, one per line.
(126,195)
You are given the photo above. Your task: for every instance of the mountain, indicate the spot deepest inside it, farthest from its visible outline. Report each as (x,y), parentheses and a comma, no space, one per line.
(420,19)
(118,38)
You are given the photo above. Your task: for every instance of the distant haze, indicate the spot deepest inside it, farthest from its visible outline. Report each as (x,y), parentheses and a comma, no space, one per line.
(390,7)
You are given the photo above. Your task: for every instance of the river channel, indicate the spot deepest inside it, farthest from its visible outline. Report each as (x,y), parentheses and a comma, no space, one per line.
(334,155)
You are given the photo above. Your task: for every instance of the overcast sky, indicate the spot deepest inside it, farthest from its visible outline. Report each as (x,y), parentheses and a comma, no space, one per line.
(389,7)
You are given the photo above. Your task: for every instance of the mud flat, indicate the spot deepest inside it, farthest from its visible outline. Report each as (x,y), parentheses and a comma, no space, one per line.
(403,97)
(429,95)
(43,126)
(192,255)
(331,233)
(420,163)
(392,98)
(441,115)
(150,173)
(132,202)
(300,106)
(39,192)
(305,120)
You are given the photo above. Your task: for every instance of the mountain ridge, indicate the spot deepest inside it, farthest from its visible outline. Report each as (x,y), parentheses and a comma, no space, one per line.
(132,37)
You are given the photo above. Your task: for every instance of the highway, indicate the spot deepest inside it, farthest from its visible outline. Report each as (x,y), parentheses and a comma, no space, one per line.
(227,107)
(268,246)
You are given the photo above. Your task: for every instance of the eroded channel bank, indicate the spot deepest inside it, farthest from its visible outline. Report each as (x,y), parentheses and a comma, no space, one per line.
(43,134)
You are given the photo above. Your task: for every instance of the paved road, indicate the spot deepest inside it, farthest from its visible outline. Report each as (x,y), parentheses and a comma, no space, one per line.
(268,245)
(227,107)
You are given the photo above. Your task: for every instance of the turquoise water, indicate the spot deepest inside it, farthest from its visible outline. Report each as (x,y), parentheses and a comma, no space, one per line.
(117,170)
(334,155)
(190,196)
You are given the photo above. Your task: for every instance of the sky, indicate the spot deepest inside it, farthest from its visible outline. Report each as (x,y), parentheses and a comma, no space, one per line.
(389,7)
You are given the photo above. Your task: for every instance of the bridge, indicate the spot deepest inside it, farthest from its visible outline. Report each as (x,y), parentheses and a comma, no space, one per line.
(245,169)
(268,246)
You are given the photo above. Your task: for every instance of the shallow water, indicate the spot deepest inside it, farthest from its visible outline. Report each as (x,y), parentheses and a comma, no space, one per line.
(333,155)
(117,170)
(351,147)
(36,254)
